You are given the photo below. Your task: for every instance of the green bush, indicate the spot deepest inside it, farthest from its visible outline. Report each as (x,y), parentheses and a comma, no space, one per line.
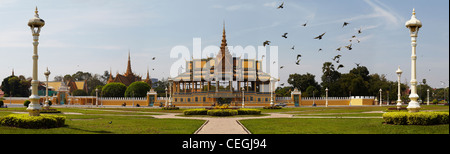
(418,118)
(26,103)
(137,89)
(272,107)
(170,108)
(1,103)
(32,122)
(248,111)
(114,89)
(222,112)
(195,112)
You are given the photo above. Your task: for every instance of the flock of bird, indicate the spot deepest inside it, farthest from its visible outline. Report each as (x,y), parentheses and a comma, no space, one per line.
(320,37)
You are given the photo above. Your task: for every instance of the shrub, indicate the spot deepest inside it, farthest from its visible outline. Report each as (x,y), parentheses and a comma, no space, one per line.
(195,112)
(222,112)
(248,111)
(32,122)
(170,108)
(1,103)
(114,89)
(419,118)
(272,107)
(26,103)
(139,88)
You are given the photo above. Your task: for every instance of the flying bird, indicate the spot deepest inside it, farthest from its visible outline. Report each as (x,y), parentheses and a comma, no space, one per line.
(284,35)
(298,56)
(340,66)
(304,25)
(349,47)
(320,49)
(357,64)
(320,36)
(354,36)
(282,84)
(338,57)
(345,24)
(281,67)
(293,47)
(153,58)
(281,6)
(339,49)
(359,31)
(298,62)
(266,43)
(358,40)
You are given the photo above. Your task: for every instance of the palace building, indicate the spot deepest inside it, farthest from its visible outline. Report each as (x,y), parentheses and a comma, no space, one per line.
(223,79)
(129,77)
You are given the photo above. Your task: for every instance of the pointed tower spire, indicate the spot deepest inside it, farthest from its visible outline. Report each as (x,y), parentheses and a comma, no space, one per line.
(129,72)
(224,41)
(12,72)
(110,79)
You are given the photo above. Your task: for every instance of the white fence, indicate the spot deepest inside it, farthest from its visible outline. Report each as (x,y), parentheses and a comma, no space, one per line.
(122,98)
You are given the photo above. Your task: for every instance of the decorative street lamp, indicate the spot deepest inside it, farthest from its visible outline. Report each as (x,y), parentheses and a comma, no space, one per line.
(428,96)
(326,97)
(399,100)
(381,98)
(96,97)
(271,91)
(46,73)
(413,25)
(35,25)
(243,97)
(166,97)
(170,90)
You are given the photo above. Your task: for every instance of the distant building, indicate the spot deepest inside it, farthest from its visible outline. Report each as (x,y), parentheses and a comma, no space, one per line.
(129,77)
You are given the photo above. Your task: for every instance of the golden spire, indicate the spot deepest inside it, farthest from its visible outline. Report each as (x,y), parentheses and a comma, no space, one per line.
(129,72)
(224,41)
(414,11)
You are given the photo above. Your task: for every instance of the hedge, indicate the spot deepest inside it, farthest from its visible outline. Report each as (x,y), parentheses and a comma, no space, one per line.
(32,122)
(195,112)
(222,112)
(417,118)
(248,111)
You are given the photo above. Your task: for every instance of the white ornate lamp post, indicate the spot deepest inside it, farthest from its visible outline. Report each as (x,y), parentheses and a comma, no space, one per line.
(271,91)
(166,98)
(170,91)
(413,25)
(96,97)
(326,97)
(428,96)
(46,73)
(243,97)
(35,24)
(399,100)
(381,98)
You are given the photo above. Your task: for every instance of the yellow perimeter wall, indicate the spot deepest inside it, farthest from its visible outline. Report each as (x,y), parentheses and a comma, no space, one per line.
(92,101)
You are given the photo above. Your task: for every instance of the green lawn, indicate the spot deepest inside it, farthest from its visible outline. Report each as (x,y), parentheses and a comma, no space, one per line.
(336,126)
(97,122)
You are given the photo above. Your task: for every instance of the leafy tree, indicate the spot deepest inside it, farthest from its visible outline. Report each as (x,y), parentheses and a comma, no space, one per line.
(310,92)
(329,80)
(137,89)
(114,89)
(303,81)
(16,86)
(283,91)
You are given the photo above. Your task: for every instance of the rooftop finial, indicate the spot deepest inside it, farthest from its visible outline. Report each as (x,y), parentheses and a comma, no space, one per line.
(36,11)
(414,11)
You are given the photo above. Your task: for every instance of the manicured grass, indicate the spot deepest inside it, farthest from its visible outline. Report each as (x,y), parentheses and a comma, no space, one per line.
(336,126)
(99,124)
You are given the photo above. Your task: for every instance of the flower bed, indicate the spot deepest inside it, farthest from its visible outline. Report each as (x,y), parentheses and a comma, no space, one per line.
(418,118)
(222,112)
(32,122)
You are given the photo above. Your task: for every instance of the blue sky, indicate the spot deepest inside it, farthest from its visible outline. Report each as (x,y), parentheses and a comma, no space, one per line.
(95,35)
